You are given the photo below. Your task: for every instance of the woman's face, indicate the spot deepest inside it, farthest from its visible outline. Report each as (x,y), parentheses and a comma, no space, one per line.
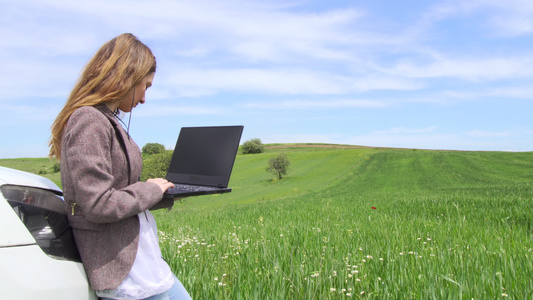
(137,94)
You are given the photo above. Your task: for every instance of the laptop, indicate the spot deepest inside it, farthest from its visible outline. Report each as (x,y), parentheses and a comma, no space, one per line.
(203,160)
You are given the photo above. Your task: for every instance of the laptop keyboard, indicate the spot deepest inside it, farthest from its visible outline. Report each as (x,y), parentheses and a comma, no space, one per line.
(189,188)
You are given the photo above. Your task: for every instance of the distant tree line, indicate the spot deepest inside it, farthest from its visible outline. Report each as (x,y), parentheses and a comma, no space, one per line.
(253,146)
(156,159)
(153,148)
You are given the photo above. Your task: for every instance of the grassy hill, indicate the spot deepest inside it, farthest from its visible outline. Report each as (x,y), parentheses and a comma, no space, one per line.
(388,223)
(311,170)
(356,222)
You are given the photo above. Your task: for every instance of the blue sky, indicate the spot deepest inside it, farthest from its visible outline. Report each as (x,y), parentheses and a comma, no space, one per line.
(417,74)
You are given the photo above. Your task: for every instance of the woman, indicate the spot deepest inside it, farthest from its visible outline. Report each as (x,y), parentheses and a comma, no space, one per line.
(108,206)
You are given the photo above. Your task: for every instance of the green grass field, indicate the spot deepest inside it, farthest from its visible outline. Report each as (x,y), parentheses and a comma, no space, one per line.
(446,225)
(360,223)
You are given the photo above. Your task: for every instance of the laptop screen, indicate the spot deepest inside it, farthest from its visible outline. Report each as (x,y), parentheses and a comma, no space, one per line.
(205,155)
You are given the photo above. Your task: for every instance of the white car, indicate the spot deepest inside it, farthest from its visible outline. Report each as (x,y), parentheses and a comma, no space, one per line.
(38,256)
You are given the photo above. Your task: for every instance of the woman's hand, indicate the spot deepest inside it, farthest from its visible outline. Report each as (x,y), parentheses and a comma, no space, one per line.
(162,183)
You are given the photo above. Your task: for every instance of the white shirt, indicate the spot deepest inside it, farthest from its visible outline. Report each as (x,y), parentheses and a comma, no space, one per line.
(150,274)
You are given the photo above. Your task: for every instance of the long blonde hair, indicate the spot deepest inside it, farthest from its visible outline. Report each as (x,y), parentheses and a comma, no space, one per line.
(117,67)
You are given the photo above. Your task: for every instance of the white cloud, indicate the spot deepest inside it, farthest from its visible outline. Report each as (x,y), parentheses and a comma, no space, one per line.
(510,18)
(302,57)
(433,141)
(291,81)
(403,130)
(318,104)
(485,133)
(13,114)
(301,138)
(473,69)
(166,110)
(31,77)
(506,18)
(249,29)
(285,81)
(196,51)
(504,92)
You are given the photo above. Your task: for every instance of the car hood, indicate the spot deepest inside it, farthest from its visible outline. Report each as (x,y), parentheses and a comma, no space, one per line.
(16,177)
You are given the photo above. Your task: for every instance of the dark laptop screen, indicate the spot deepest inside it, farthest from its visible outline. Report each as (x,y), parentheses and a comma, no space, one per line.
(205,155)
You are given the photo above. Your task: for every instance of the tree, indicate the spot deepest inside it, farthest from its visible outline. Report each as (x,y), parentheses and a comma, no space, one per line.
(56,167)
(253,146)
(156,166)
(153,148)
(278,165)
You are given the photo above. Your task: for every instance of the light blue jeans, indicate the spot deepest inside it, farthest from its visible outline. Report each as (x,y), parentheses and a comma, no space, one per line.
(176,292)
